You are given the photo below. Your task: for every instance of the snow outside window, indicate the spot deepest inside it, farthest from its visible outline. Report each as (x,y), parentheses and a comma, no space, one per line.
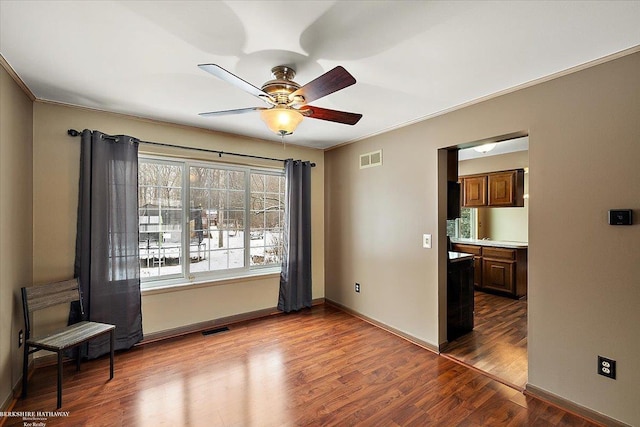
(204,220)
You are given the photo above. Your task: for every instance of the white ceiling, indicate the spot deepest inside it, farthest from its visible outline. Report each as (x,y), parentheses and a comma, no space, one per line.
(411,60)
(503,147)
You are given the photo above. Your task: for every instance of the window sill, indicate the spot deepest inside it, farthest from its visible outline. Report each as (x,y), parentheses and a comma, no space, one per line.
(175,286)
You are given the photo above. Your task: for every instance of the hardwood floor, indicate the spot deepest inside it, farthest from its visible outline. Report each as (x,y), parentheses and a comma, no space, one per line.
(318,367)
(498,343)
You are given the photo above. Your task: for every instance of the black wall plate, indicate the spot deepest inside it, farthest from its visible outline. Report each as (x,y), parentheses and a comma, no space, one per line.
(620,217)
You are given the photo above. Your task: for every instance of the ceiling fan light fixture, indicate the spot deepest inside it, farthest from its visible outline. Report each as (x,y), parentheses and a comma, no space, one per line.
(485,148)
(286,97)
(281,120)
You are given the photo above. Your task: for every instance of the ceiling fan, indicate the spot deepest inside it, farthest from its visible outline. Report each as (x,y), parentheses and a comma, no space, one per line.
(287,99)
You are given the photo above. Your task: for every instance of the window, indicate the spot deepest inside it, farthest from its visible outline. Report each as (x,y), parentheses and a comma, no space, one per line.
(204,220)
(267,218)
(465,226)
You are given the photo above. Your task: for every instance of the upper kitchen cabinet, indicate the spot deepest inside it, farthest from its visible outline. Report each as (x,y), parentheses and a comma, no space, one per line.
(506,188)
(474,190)
(494,189)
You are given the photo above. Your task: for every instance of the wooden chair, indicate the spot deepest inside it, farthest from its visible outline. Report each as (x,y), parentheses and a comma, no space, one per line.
(42,296)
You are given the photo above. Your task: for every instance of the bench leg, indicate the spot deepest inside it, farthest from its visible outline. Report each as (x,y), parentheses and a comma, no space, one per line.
(59,379)
(25,370)
(112,338)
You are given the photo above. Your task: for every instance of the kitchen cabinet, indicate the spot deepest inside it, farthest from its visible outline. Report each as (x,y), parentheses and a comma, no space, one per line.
(500,270)
(494,189)
(476,251)
(498,267)
(474,191)
(506,188)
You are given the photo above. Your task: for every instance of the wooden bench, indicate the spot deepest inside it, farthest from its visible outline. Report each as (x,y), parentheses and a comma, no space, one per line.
(42,296)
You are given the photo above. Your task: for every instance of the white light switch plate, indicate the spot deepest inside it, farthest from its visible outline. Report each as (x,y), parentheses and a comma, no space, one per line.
(426,241)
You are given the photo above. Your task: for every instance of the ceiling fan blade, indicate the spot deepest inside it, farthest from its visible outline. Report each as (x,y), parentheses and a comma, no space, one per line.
(329,82)
(331,115)
(229,77)
(228,112)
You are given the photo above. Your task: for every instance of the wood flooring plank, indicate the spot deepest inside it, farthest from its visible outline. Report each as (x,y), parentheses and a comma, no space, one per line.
(318,367)
(498,343)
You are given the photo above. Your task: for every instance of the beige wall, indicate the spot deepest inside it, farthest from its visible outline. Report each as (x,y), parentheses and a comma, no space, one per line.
(501,223)
(16,116)
(56,160)
(583,274)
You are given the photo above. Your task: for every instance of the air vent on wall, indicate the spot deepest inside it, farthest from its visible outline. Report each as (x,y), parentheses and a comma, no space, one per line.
(369,160)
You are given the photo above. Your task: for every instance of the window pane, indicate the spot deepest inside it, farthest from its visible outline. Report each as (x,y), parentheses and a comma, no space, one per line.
(236,180)
(272,183)
(217,197)
(257,183)
(465,223)
(236,200)
(452,227)
(257,203)
(272,219)
(267,212)
(160,216)
(219,178)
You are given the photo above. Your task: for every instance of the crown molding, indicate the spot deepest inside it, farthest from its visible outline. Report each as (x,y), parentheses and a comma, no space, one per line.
(575,69)
(16,78)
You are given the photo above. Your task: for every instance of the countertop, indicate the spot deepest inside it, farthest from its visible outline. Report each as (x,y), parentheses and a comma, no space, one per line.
(493,243)
(459,256)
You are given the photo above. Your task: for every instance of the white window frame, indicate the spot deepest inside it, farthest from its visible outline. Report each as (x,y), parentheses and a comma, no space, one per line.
(185,277)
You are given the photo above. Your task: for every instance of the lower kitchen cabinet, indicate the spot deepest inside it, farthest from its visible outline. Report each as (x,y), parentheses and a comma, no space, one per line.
(497,269)
(498,275)
(476,251)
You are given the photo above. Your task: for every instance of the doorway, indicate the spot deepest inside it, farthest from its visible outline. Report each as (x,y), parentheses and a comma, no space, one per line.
(497,345)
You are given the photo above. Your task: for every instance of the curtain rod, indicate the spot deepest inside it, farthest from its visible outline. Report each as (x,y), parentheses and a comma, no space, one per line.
(74,133)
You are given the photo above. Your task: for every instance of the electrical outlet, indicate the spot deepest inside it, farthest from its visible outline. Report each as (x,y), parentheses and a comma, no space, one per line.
(358,287)
(607,367)
(20,338)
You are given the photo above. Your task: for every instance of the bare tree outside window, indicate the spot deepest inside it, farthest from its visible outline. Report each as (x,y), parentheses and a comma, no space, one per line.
(198,218)
(267,216)
(160,216)
(463,227)
(217,200)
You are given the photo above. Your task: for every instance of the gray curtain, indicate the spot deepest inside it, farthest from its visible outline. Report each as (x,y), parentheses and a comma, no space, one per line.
(295,278)
(107,261)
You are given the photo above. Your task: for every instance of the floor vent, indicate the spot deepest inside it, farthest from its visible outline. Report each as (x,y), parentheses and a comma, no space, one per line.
(215,331)
(369,160)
